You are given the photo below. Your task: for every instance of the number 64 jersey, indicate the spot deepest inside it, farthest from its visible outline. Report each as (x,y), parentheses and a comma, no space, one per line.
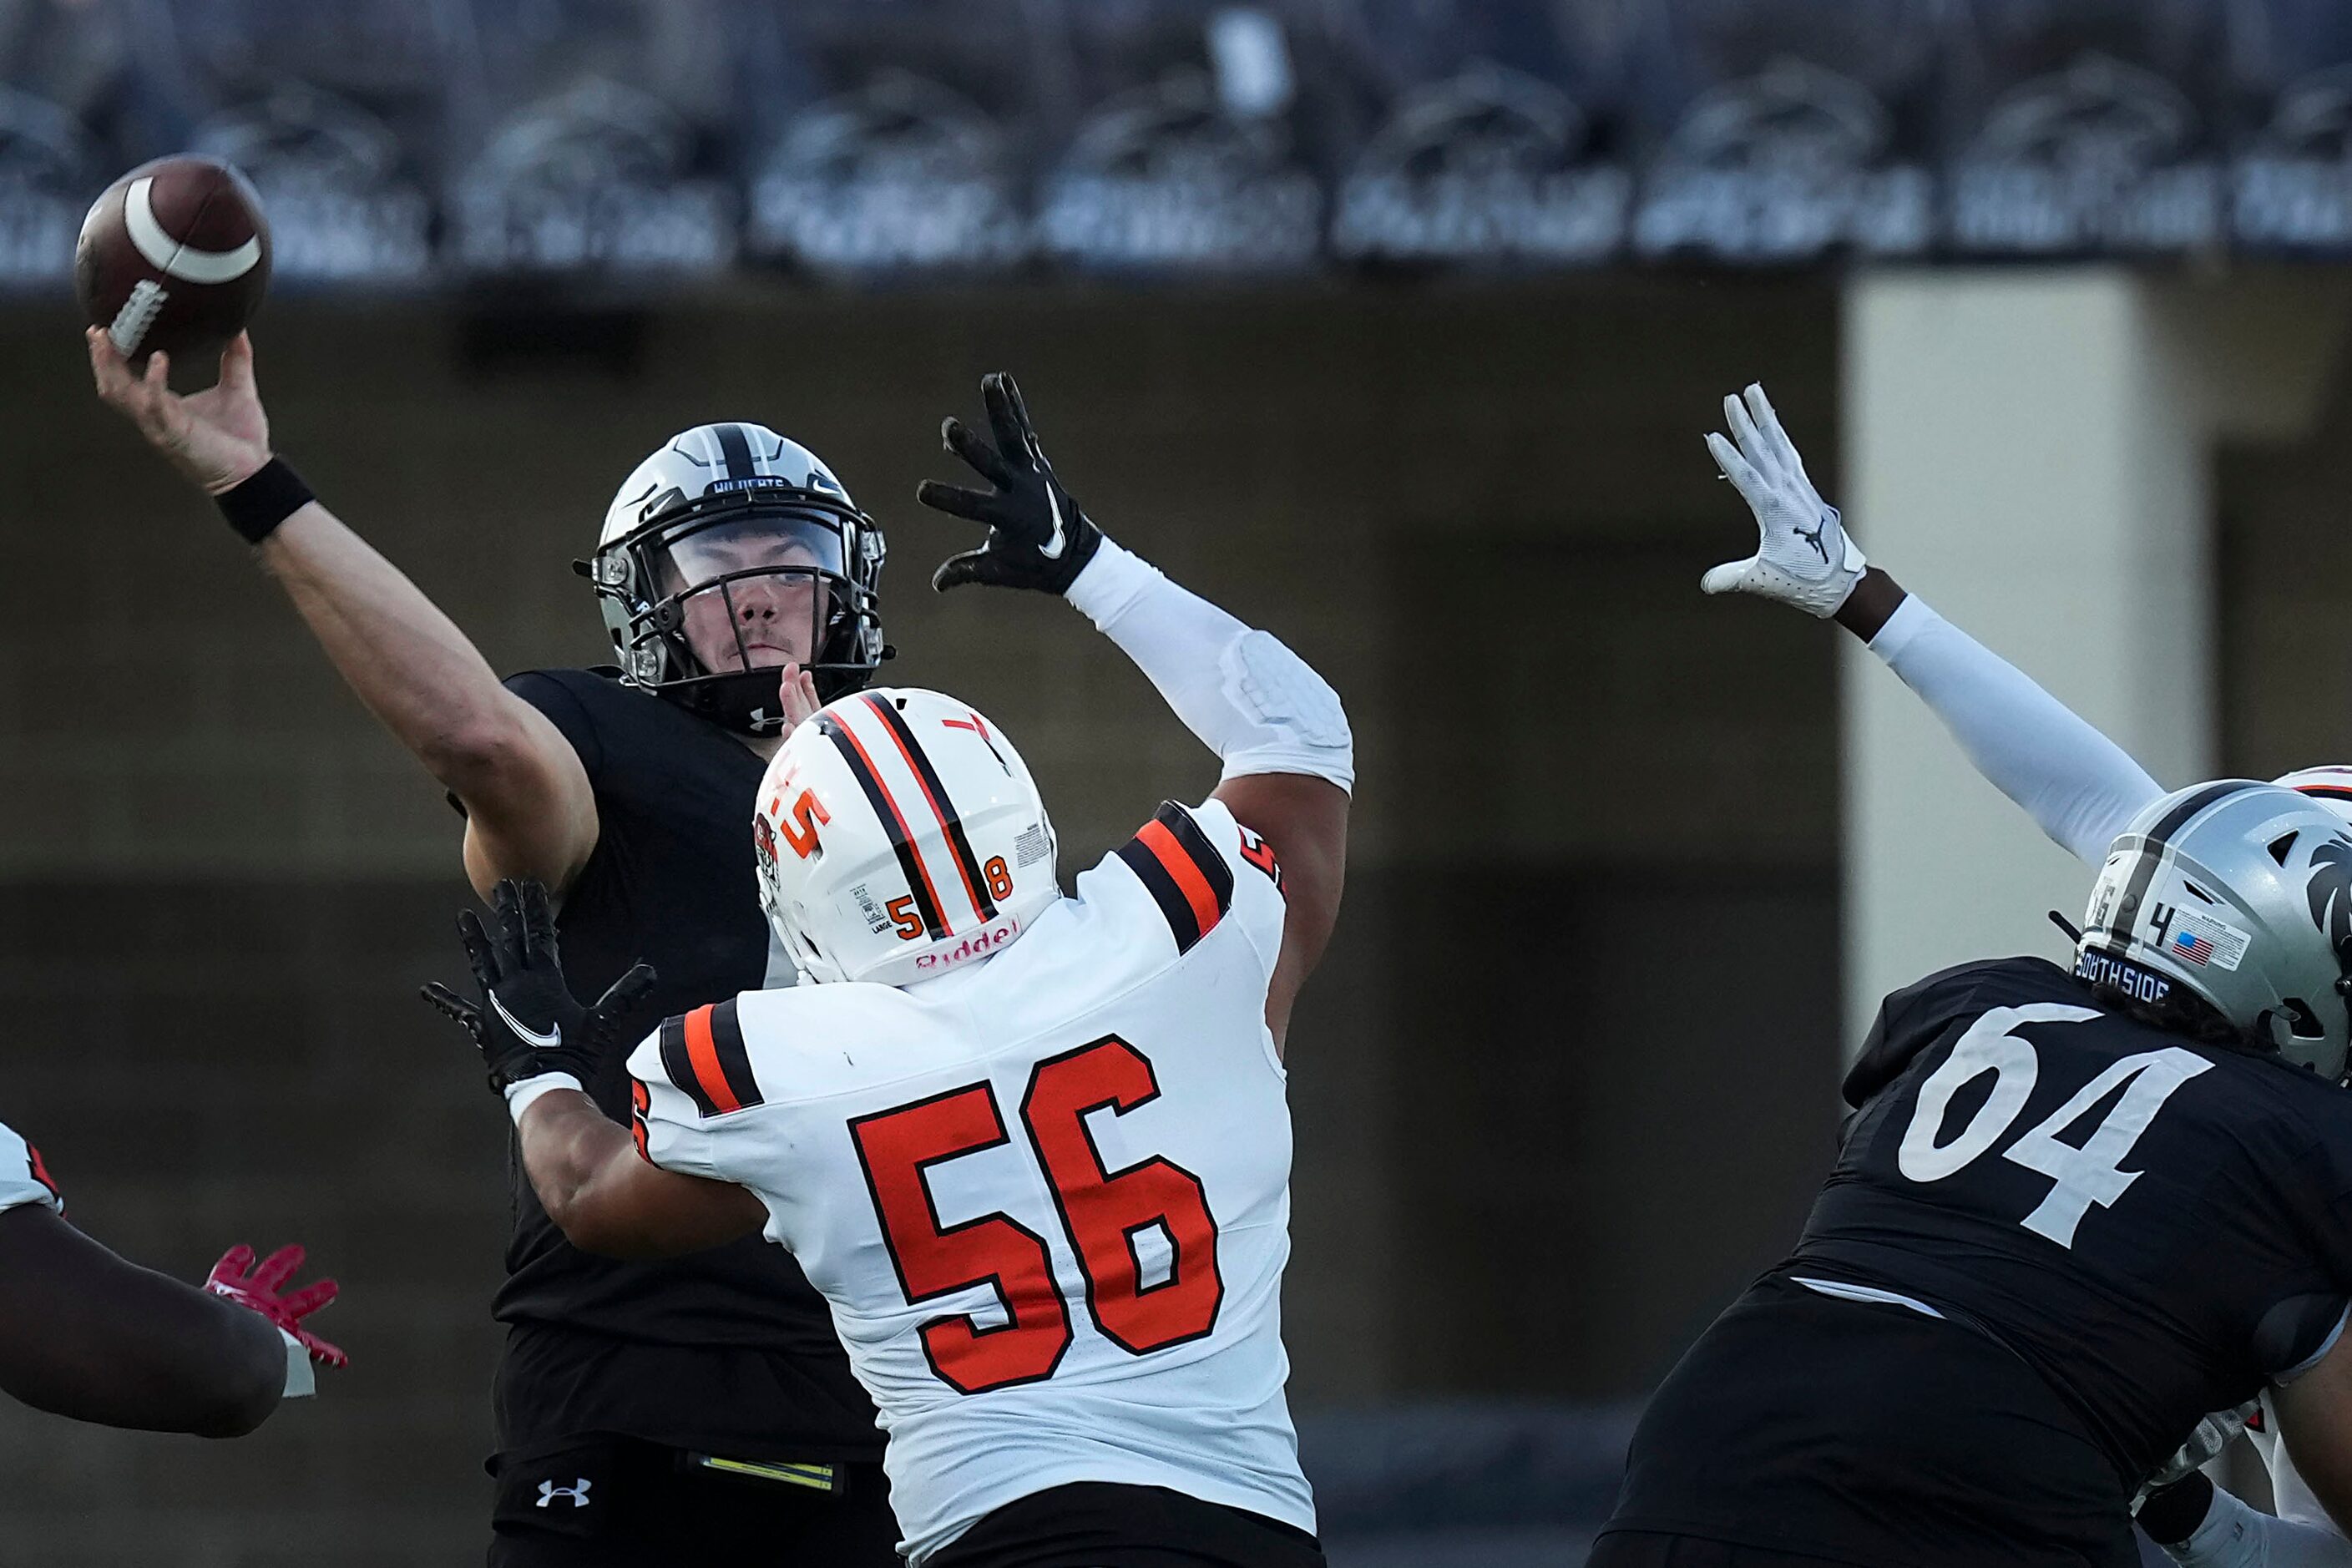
(2157,1226)
(1046,1196)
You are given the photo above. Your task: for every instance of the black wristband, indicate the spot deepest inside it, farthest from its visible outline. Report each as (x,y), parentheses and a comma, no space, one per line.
(2172,1513)
(256,504)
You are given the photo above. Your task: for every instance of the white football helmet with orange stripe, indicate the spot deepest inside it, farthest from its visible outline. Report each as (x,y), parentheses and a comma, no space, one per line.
(2331,786)
(898,836)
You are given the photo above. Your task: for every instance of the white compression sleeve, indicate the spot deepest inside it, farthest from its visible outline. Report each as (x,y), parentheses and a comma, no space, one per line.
(1249,699)
(2079,787)
(2235,1535)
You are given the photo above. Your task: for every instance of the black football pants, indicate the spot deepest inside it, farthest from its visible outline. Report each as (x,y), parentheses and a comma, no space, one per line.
(622,1503)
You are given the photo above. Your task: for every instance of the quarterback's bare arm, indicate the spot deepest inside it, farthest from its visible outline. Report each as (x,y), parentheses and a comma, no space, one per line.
(2079,787)
(530,811)
(1277,728)
(87,1334)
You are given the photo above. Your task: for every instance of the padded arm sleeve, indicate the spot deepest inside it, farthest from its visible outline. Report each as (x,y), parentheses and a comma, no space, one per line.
(2234,1535)
(1249,699)
(2079,787)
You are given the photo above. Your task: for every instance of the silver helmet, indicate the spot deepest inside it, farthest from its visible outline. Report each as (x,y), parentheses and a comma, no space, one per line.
(731,535)
(2238,893)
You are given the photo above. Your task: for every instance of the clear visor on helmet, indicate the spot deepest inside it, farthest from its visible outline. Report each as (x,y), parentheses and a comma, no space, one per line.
(749,592)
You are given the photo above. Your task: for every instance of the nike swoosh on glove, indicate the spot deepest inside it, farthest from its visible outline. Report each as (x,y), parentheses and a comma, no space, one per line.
(1802,554)
(1037,537)
(527,1021)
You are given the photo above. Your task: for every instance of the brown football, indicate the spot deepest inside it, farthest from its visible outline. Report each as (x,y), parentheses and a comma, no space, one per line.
(174,255)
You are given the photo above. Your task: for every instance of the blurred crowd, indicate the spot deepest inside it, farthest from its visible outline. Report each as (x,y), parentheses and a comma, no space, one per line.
(405,141)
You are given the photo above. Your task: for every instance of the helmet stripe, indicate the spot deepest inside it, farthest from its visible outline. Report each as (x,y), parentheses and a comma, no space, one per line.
(736,450)
(936,792)
(902,842)
(2153,844)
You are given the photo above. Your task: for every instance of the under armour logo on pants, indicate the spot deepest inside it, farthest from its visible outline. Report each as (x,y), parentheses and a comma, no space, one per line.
(578,1492)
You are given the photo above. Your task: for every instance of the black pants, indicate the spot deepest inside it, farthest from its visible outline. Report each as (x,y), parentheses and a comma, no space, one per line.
(1637,1549)
(617,1502)
(1865,1432)
(1096,1524)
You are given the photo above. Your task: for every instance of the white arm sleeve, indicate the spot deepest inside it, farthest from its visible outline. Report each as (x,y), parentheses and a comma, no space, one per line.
(2235,1535)
(1249,699)
(2079,787)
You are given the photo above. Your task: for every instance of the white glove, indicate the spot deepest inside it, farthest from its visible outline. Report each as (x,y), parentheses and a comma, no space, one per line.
(1803,557)
(2213,1433)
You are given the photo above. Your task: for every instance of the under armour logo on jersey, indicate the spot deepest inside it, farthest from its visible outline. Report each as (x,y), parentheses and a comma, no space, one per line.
(577,1491)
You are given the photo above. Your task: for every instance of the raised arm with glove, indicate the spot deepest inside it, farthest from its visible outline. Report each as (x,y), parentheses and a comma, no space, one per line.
(2079,787)
(1277,728)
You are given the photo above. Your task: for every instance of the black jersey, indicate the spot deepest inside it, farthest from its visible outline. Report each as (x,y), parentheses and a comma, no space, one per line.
(670,881)
(2102,1230)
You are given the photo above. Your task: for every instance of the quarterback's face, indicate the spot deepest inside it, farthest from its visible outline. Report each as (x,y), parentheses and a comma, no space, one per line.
(774,617)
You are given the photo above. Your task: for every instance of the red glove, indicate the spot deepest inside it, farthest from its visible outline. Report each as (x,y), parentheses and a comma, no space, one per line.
(260,1290)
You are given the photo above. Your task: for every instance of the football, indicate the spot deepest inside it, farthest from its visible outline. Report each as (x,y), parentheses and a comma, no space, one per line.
(174,255)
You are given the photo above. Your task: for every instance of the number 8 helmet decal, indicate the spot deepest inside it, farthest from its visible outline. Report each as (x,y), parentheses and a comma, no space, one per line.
(898,834)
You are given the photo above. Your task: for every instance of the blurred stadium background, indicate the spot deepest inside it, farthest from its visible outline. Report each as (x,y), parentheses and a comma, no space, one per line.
(1391,324)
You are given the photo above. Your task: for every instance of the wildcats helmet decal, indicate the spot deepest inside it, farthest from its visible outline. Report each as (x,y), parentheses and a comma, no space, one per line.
(2329,892)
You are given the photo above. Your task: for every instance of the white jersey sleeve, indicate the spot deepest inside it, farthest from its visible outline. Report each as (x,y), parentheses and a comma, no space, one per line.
(1202,867)
(2079,787)
(23,1178)
(691,1084)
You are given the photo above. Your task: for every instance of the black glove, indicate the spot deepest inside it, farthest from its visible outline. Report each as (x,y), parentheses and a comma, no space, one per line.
(528,1023)
(1037,537)
(2171,1513)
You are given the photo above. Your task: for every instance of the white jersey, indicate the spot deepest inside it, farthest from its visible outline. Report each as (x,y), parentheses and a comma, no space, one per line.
(23,1178)
(1047,1196)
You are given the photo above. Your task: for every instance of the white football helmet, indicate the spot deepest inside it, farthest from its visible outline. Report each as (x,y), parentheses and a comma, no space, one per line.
(899,834)
(700,526)
(2330,787)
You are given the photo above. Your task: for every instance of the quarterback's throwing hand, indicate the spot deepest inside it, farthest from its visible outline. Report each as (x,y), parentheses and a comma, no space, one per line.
(527,1021)
(1037,537)
(1803,556)
(262,1287)
(218,437)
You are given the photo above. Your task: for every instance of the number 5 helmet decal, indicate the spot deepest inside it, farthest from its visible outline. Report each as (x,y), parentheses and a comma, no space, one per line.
(898,833)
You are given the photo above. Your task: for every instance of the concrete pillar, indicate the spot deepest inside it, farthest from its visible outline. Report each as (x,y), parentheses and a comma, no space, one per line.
(2029,451)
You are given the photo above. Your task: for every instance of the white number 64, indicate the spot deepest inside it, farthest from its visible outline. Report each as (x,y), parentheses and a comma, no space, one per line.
(2083,1175)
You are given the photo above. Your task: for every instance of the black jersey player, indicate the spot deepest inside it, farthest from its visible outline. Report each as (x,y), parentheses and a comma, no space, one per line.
(698,1409)
(2073,1214)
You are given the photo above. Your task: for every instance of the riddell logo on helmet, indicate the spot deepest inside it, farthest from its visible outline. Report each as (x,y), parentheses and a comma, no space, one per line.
(980,944)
